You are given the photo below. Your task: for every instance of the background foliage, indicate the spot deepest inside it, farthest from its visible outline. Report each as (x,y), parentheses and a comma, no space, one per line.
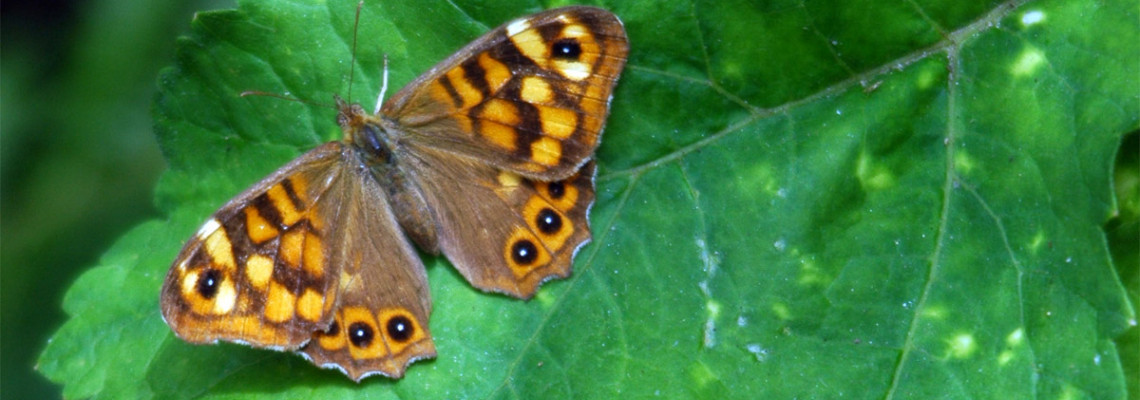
(78,158)
(796,199)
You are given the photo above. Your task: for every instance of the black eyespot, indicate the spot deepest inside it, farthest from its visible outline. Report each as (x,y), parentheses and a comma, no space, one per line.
(400,328)
(548,221)
(333,330)
(567,49)
(208,283)
(556,190)
(524,252)
(360,334)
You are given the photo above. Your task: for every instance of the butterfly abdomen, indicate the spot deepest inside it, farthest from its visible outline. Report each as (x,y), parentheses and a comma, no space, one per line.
(411,209)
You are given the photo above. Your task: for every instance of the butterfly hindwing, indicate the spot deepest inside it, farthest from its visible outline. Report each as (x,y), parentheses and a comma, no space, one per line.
(381,320)
(504,232)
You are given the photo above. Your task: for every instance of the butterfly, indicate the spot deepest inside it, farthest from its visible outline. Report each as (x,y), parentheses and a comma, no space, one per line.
(487,158)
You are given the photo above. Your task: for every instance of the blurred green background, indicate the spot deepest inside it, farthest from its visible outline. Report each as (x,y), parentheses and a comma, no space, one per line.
(78,157)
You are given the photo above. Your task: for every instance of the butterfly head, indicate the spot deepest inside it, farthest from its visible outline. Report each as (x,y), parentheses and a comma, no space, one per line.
(350,116)
(362,130)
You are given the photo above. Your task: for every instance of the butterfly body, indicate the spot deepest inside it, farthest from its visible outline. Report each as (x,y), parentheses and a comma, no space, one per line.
(486,159)
(377,140)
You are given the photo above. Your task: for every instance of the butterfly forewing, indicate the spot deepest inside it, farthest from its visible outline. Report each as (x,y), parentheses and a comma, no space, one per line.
(257,270)
(530,97)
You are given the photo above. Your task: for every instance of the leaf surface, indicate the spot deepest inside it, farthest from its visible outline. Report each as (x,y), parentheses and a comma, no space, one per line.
(795,199)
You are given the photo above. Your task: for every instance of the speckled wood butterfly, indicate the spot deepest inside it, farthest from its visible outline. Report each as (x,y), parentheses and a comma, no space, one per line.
(486,158)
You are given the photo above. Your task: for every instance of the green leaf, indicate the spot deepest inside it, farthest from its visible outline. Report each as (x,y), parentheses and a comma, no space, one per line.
(795,199)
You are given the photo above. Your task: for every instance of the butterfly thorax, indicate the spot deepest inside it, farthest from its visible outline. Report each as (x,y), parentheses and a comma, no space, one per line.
(374,141)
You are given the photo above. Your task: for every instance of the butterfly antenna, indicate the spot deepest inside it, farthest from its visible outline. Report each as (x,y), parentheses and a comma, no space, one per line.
(352,65)
(383,86)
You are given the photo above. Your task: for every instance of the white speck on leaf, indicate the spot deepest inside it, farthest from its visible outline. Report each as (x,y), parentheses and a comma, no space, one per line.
(1032,17)
(710,334)
(760,352)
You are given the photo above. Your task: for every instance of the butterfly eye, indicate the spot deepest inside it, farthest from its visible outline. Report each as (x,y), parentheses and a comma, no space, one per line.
(372,140)
(400,328)
(360,334)
(208,283)
(567,49)
(524,252)
(548,221)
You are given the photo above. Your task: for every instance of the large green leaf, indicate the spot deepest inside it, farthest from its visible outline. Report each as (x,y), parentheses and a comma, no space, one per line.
(795,200)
